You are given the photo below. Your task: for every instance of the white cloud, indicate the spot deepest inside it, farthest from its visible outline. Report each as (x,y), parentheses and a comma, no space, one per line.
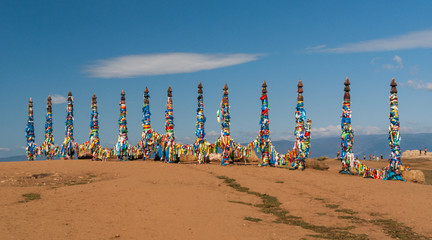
(414,70)
(58,99)
(418,85)
(374,60)
(213,133)
(418,39)
(316,48)
(286,136)
(185,140)
(398,65)
(368,130)
(4,149)
(335,130)
(411,122)
(331,130)
(398,60)
(164,63)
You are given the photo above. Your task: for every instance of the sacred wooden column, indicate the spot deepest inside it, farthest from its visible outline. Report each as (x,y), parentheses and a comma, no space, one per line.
(299,133)
(122,145)
(200,143)
(48,144)
(264,138)
(224,119)
(169,150)
(94,141)
(347,136)
(146,142)
(69,145)
(393,171)
(31,149)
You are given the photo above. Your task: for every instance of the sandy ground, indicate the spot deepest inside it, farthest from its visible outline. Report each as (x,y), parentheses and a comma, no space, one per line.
(81,199)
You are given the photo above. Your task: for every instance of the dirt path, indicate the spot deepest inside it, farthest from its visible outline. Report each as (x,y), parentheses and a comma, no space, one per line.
(151,200)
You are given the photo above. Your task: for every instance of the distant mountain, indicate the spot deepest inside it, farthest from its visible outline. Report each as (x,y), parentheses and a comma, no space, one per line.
(14,158)
(20,158)
(363,144)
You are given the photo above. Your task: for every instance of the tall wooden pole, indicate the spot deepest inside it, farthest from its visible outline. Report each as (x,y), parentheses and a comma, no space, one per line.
(347,135)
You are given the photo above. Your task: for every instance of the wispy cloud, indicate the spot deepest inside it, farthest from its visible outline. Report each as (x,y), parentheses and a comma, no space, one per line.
(331,130)
(374,60)
(213,133)
(414,70)
(411,122)
(4,149)
(418,39)
(335,130)
(316,48)
(398,65)
(165,63)
(418,84)
(368,130)
(58,99)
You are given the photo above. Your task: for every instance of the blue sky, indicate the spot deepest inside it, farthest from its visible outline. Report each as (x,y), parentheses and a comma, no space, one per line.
(102,47)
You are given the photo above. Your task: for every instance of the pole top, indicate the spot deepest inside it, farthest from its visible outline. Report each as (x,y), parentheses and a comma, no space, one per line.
(300,87)
(70,96)
(347,89)
(169,91)
(94,98)
(300,91)
(393,85)
(146,96)
(200,88)
(30,107)
(347,82)
(122,96)
(264,88)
